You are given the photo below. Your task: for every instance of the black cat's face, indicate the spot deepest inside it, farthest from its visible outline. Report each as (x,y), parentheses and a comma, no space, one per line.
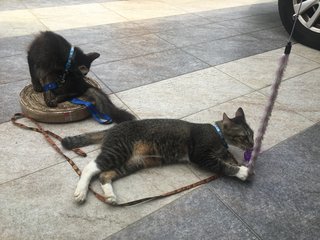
(237,132)
(84,62)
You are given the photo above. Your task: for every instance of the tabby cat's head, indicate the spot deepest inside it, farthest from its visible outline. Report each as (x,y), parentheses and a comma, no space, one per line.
(236,130)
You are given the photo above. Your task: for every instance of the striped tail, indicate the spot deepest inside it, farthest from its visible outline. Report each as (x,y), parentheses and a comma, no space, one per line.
(83,140)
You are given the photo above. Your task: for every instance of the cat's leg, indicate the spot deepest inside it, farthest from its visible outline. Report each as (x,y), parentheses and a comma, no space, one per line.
(106,179)
(230,168)
(241,172)
(65,97)
(34,79)
(132,165)
(90,170)
(49,97)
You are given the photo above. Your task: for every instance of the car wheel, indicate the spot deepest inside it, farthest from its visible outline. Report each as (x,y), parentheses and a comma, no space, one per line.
(307,30)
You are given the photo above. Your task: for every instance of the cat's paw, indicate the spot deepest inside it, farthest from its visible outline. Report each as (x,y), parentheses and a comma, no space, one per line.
(111,200)
(80,194)
(37,88)
(67,143)
(50,99)
(243,173)
(52,103)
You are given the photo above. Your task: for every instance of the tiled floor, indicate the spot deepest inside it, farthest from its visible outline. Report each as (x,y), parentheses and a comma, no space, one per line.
(187,59)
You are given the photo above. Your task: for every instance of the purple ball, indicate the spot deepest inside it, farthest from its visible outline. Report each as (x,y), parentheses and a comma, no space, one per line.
(247,155)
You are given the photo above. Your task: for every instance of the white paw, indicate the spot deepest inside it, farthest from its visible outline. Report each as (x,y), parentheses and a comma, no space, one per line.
(111,200)
(80,194)
(243,173)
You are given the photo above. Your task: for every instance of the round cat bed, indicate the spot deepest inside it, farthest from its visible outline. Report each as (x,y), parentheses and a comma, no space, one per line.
(33,105)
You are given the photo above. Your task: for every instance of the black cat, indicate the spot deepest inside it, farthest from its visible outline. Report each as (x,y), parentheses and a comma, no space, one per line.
(58,69)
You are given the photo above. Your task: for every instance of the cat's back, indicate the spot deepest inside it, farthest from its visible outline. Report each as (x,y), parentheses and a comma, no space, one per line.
(48,39)
(151,128)
(48,47)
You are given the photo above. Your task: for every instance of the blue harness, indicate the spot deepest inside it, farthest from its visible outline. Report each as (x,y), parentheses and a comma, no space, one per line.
(99,117)
(218,130)
(62,80)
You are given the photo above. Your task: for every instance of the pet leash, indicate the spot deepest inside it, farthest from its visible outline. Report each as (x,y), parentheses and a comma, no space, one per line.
(100,197)
(99,117)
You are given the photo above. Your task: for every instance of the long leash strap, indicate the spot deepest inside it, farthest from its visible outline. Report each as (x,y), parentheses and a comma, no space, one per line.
(179,190)
(46,134)
(100,197)
(98,116)
(40,130)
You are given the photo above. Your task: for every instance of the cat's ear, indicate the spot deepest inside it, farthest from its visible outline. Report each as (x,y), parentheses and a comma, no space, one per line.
(226,122)
(83,69)
(92,56)
(240,113)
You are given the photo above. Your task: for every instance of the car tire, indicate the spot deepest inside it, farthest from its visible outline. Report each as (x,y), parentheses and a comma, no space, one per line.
(301,33)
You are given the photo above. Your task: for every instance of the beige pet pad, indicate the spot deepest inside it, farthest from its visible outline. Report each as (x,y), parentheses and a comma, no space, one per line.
(33,105)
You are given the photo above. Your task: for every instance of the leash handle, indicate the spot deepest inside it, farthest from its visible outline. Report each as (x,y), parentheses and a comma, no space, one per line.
(99,117)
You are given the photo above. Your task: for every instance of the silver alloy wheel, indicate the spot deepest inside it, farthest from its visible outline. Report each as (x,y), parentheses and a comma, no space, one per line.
(309,14)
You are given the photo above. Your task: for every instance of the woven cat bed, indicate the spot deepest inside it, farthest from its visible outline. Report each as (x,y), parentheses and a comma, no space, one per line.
(33,105)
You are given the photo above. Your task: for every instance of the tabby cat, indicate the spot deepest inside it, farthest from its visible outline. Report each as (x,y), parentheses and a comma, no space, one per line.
(139,144)
(53,60)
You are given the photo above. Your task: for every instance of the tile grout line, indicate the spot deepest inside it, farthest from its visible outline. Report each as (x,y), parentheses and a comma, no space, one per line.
(154,212)
(236,215)
(115,12)
(16,81)
(179,48)
(281,104)
(306,57)
(45,168)
(175,46)
(220,103)
(38,19)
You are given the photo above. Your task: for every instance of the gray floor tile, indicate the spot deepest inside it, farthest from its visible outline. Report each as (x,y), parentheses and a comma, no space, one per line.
(225,50)
(197,34)
(301,93)
(14,45)
(282,201)
(130,73)
(41,206)
(9,99)
(253,23)
(93,34)
(118,49)
(172,22)
(6,5)
(48,3)
(277,37)
(198,215)
(14,68)
(239,12)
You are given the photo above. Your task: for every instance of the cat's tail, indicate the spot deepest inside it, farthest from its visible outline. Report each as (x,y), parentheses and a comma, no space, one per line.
(83,139)
(104,105)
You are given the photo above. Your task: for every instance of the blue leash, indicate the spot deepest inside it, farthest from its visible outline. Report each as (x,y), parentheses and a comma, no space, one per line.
(99,117)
